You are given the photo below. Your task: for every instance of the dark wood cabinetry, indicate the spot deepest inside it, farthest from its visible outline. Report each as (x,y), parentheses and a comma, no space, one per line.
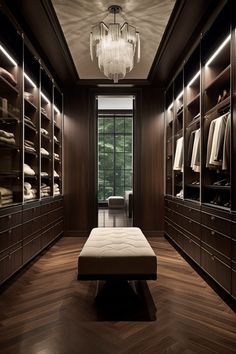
(26,230)
(201,219)
(207,236)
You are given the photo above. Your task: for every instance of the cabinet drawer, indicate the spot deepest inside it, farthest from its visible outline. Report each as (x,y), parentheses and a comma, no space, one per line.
(10,263)
(31,213)
(10,237)
(31,227)
(217,269)
(46,208)
(170,214)
(219,242)
(31,248)
(58,229)
(191,226)
(11,220)
(234,250)
(233,283)
(234,230)
(171,231)
(192,213)
(193,250)
(216,223)
(46,237)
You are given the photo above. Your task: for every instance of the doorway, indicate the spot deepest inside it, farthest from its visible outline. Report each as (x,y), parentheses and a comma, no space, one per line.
(115,160)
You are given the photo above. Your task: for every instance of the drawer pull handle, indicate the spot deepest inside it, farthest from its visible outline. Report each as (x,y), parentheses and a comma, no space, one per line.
(9,231)
(212,218)
(190,221)
(9,217)
(212,233)
(213,257)
(190,209)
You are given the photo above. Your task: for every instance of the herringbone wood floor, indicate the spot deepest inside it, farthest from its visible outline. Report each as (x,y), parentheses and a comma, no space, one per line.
(47,311)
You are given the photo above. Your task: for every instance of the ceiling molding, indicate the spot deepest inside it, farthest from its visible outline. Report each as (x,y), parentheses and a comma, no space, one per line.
(109,83)
(168,32)
(49,10)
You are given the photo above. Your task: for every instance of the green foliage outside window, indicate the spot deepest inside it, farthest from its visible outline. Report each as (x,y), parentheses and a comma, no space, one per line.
(115,151)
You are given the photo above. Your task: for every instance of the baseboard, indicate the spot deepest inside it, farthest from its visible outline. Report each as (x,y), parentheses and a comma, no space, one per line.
(79,233)
(153,233)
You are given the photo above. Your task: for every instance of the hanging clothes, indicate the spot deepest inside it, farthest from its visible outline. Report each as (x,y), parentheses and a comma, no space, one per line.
(195,161)
(217,142)
(178,161)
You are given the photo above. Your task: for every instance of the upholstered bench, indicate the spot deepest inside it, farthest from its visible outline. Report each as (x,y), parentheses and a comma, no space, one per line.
(117,253)
(116,202)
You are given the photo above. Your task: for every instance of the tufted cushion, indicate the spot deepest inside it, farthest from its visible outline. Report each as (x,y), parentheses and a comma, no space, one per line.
(117,251)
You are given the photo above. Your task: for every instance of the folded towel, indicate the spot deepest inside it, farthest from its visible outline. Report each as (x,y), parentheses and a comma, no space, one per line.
(28,95)
(44,151)
(44,174)
(28,142)
(27,185)
(44,131)
(5,191)
(8,140)
(8,76)
(55,138)
(28,170)
(6,201)
(5,134)
(56,174)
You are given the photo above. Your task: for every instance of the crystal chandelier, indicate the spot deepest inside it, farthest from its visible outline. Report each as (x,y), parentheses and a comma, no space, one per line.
(116,46)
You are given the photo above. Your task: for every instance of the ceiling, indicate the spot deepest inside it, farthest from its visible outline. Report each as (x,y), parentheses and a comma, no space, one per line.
(76,17)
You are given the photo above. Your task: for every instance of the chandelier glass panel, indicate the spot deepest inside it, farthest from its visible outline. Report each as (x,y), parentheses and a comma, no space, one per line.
(115,46)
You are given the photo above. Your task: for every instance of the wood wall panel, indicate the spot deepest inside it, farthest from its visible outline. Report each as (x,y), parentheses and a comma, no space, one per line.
(80,161)
(76,161)
(152,154)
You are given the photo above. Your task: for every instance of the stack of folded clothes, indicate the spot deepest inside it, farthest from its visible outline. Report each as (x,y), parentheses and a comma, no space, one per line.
(29,121)
(56,174)
(55,139)
(28,96)
(8,76)
(44,131)
(28,170)
(6,196)
(7,137)
(29,145)
(45,190)
(29,192)
(56,156)
(56,189)
(44,174)
(44,151)
(43,110)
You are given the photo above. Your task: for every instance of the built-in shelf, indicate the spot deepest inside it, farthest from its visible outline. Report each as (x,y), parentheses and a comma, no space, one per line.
(194,100)
(7,86)
(219,106)
(219,79)
(223,188)
(7,146)
(30,126)
(30,104)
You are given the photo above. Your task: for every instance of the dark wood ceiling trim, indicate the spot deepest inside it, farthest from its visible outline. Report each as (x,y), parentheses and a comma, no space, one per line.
(96,82)
(179,5)
(52,16)
(183,30)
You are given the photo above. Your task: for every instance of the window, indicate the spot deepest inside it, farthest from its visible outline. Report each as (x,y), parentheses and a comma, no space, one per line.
(115,155)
